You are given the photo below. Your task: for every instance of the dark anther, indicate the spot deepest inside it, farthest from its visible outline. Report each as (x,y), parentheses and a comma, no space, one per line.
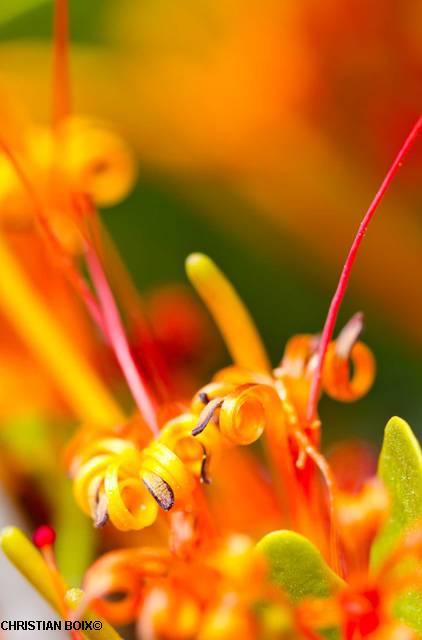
(160,490)
(206,415)
(205,478)
(203,396)
(101,512)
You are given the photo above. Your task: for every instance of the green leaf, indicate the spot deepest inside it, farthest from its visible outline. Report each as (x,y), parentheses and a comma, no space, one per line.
(408,608)
(297,566)
(11,10)
(400,469)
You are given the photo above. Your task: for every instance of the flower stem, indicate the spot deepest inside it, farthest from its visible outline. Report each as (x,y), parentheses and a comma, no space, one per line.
(348,265)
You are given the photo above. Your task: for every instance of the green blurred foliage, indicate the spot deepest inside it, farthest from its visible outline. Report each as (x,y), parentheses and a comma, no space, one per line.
(31,19)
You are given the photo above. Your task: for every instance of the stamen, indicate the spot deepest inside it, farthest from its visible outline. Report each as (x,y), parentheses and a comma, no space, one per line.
(30,563)
(101,512)
(153,360)
(204,474)
(348,265)
(327,474)
(203,396)
(160,490)
(117,337)
(229,312)
(207,415)
(44,536)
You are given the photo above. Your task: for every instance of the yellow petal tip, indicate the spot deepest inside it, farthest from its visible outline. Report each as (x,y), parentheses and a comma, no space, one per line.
(7,535)
(197,263)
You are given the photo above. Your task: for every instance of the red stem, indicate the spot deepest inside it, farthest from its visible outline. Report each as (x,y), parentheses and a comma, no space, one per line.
(345,274)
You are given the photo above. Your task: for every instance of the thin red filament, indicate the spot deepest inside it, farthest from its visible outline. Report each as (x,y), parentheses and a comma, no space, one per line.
(116,335)
(348,265)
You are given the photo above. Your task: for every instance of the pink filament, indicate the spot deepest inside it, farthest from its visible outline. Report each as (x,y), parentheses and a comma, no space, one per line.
(345,274)
(117,338)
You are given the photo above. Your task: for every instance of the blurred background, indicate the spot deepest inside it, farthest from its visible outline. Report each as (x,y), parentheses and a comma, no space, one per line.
(262,129)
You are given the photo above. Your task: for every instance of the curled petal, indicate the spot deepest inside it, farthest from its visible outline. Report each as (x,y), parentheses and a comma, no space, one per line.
(338,382)
(246,412)
(120,602)
(208,393)
(130,505)
(192,451)
(96,161)
(236,375)
(164,463)
(114,583)
(298,353)
(98,447)
(88,480)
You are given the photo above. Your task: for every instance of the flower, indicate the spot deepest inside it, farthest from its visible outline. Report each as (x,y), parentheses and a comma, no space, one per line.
(343,566)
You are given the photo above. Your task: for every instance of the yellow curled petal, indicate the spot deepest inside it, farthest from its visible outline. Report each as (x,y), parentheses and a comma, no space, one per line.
(193,451)
(164,463)
(87,476)
(100,447)
(96,161)
(129,504)
(246,412)
(209,392)
(177,436)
